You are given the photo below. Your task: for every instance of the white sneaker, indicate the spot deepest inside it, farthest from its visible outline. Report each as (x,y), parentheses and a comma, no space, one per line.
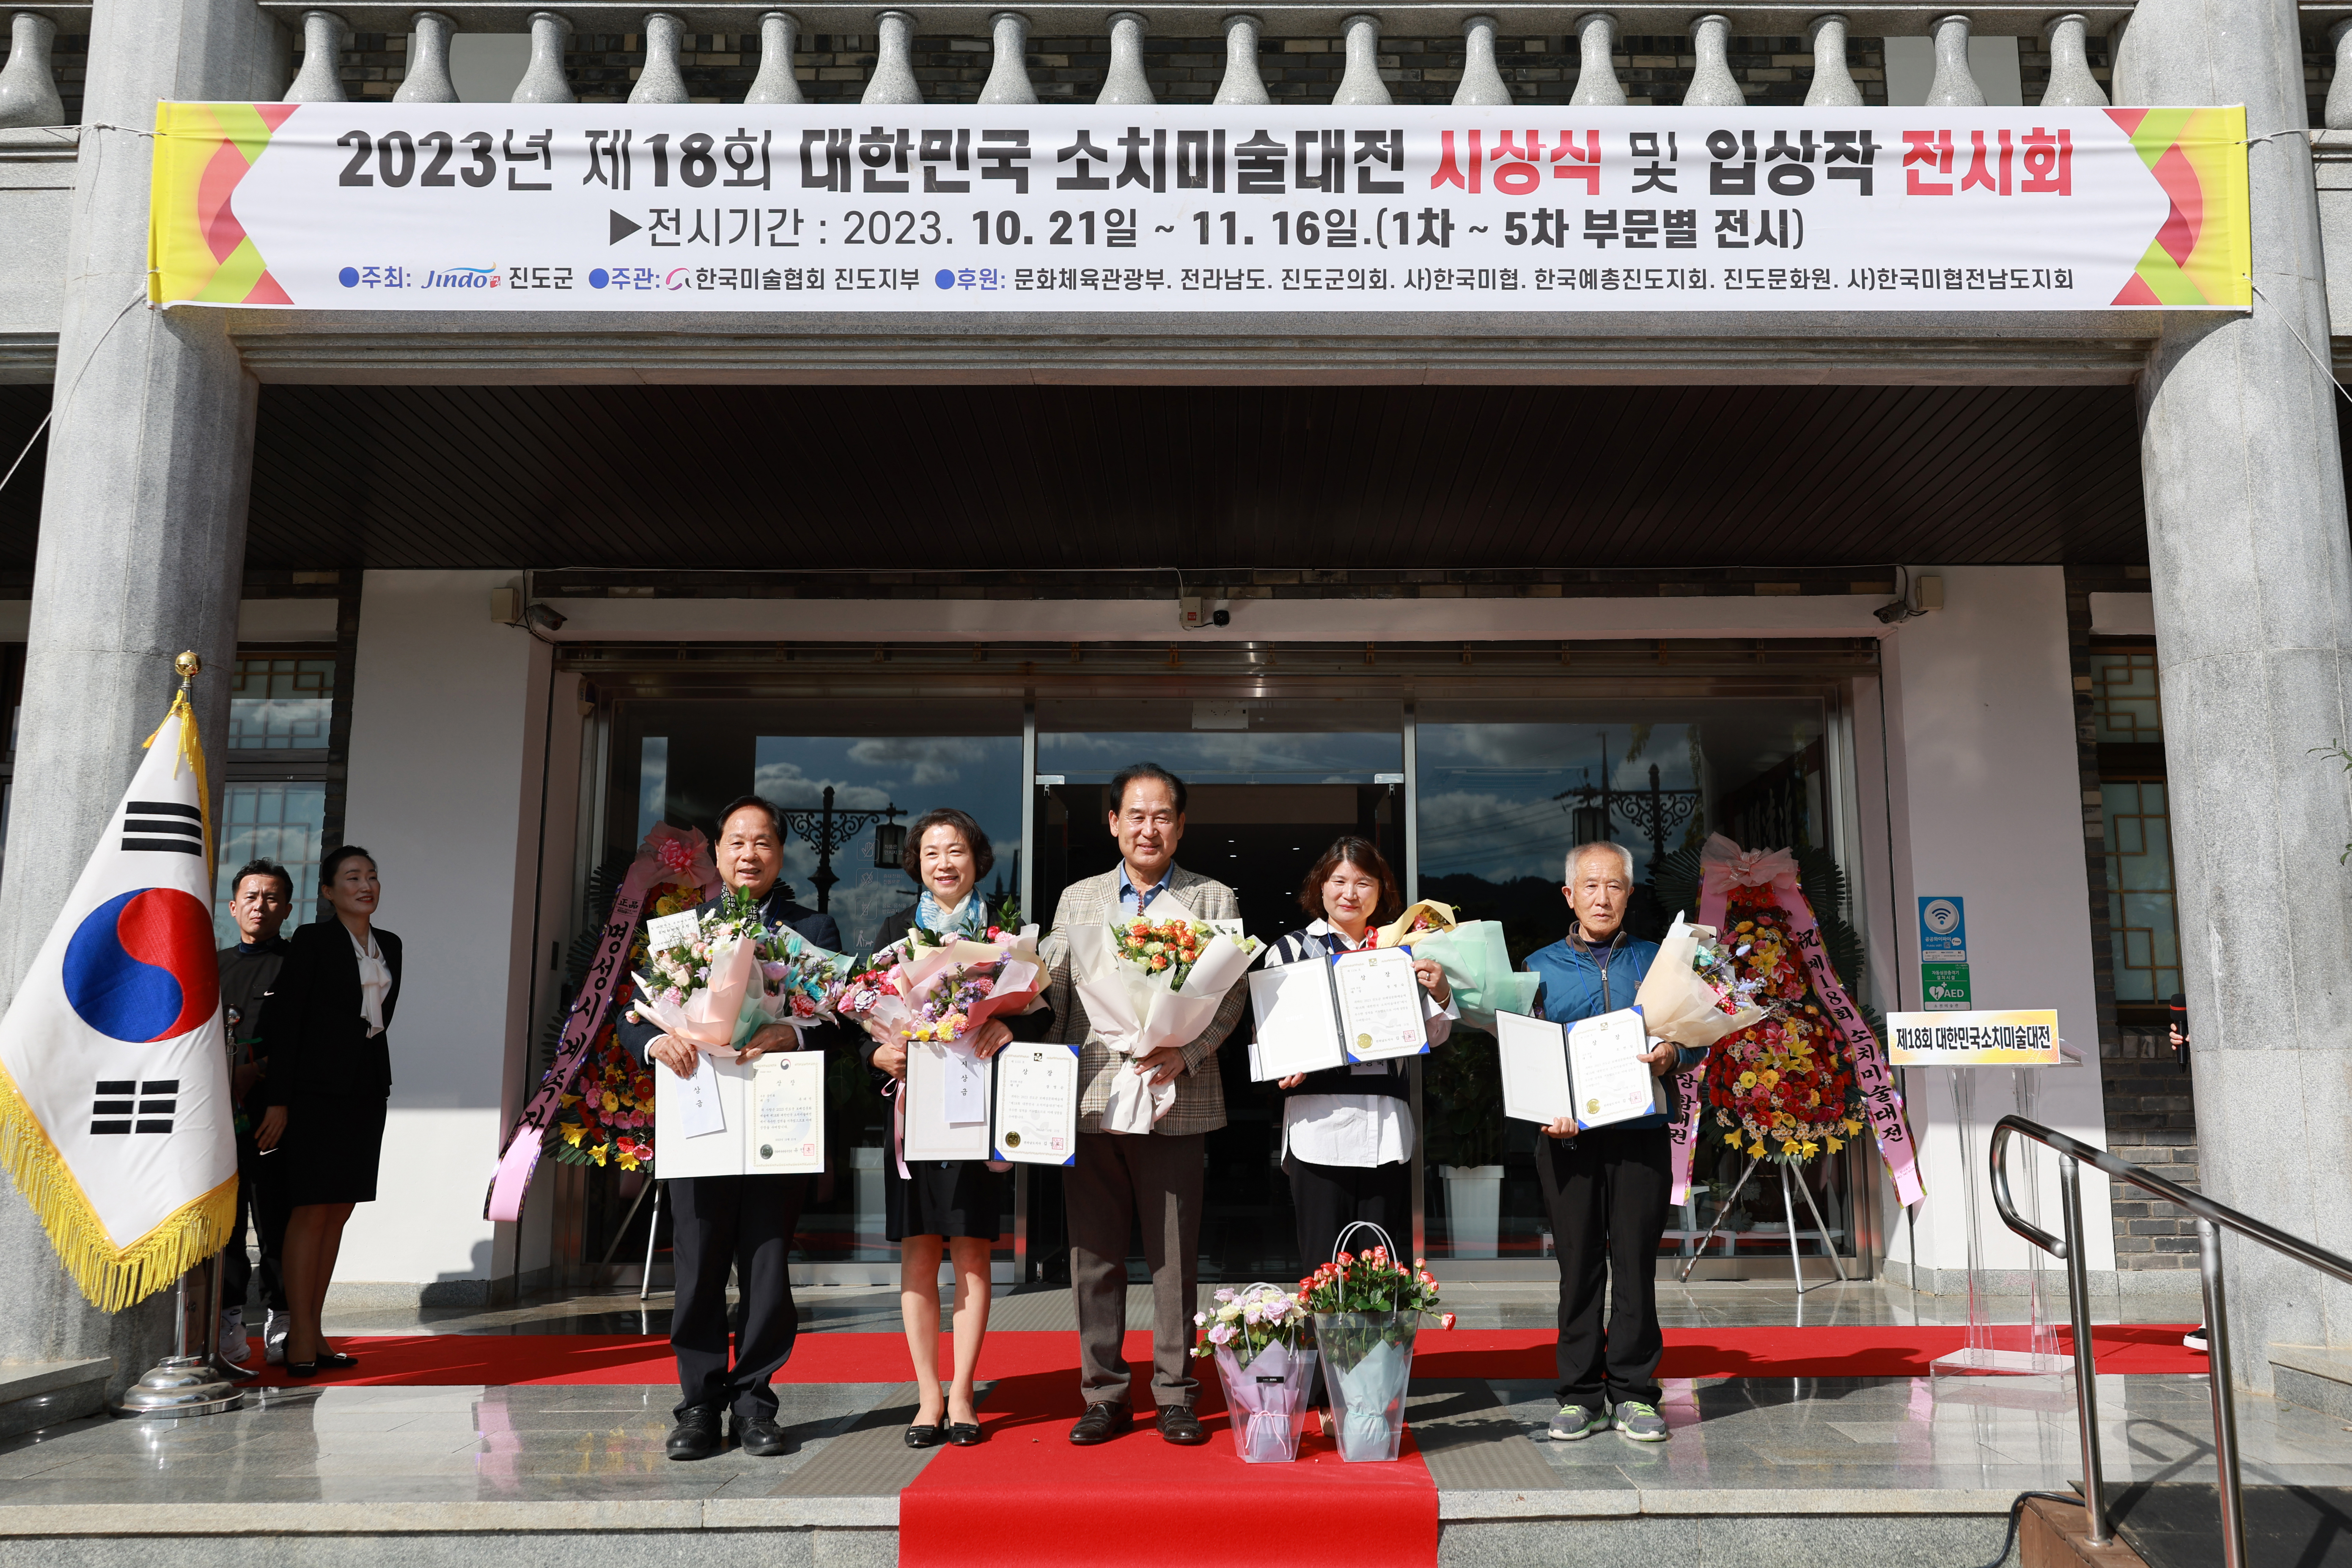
(234,1345)
(2196,1340)
(273,1338)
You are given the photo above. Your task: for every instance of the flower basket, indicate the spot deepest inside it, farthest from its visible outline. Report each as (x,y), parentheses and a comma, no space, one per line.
(1266,1399)
(1368,1361)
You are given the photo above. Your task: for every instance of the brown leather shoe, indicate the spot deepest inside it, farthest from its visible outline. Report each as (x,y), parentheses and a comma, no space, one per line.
(1101,1423)
(1179,1424)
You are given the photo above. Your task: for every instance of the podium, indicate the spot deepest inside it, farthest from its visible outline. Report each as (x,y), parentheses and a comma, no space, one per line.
(1965,1048)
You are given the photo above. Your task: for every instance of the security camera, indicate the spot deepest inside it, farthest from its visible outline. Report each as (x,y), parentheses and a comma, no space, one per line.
(545,617)
(1221,617)
(1920,595)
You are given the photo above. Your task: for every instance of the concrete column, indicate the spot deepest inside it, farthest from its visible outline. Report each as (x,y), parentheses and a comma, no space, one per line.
(1008,71)
(663,79)
(1596,74)
(141,552)
(1712,83)
(543,80)
(1361,84)
(28,85)
(427,78)
(2338,112)
(777,82)
(2251,572)
(1241,83)
(893,80)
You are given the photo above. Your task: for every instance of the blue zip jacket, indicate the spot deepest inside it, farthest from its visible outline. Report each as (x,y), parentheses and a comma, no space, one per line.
(1584,981)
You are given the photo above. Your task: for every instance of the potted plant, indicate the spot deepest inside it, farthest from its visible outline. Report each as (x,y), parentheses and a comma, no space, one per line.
(1463,1102)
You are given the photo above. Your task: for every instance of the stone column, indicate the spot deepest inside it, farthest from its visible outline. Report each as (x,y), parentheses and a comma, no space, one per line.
(142,554)
(2251,571)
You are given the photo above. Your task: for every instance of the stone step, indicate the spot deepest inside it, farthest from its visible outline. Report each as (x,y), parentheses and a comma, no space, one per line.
(37,1393)
(2316,1377)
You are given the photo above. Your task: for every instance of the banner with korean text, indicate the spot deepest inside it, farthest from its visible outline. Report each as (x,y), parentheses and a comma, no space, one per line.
(959,207)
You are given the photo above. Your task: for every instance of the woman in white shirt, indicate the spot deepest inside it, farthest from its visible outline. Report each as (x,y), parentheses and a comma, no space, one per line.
(1348,1132)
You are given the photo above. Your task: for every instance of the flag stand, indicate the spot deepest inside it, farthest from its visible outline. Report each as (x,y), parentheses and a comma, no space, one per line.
(185,1383)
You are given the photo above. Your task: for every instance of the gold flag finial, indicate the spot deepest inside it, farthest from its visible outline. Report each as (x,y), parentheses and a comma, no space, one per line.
(189,666)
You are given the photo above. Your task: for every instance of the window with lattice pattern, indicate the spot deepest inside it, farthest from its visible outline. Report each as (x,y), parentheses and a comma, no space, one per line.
(281,704)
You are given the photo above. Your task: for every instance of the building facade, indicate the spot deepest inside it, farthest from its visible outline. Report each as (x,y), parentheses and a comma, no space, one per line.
(2042,611)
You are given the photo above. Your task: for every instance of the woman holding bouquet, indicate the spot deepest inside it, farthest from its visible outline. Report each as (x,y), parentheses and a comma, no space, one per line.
(1348,1132)
(953,1205)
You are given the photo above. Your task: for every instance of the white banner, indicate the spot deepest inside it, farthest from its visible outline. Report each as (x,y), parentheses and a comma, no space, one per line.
(381,207)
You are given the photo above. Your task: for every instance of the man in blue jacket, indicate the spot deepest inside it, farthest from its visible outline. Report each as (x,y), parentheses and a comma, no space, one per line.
(1606,1189)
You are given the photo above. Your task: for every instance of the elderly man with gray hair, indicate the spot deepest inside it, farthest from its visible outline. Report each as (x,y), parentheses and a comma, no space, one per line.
(1605,1190)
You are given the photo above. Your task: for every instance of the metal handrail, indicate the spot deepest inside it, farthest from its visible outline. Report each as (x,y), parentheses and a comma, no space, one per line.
(2213,1219)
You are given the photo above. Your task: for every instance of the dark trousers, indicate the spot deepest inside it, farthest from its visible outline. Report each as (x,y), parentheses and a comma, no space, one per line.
(261,1198)
(1119,1178)
(745,1223)
(1606,1192)
(1327,1199)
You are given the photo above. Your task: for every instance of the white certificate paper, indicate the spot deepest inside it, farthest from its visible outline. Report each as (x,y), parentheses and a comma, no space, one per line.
(787,1121)
(698,1110)
(1379,1004)
(931,1134)
(1610,1081)
(1298,1020)
(966,1090)
(1535,1068)
(1037,1104)
(664,932)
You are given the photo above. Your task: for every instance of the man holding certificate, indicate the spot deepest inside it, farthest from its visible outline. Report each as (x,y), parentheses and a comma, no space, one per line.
(1606,1187)
(1155,1173)
(744,1223)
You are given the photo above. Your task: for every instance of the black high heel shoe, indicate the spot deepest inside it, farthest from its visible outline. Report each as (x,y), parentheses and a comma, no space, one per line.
(921,1437)
(336,1361)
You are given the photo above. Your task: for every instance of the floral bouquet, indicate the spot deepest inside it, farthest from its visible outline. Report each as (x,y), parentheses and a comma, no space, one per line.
(713,991)
(1478,969)
(1265,1356)
(1148,983)
(1368,1308)
(937,989)
(1692,995)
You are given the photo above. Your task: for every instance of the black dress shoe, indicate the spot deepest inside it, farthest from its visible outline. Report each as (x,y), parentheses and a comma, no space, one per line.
(1101,1423)
(921,1437)
(696,1435)
(965,1433)
(1179,1424)
(760,1436)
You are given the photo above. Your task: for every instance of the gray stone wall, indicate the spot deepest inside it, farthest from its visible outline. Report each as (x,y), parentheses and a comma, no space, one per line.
(2151,1121)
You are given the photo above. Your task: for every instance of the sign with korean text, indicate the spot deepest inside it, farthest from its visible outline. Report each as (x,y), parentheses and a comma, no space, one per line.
(2027,1037)
(1943,954)
(961,207)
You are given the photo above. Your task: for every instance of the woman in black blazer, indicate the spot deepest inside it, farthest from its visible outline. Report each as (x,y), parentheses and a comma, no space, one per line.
(330,1075)
(953,1205)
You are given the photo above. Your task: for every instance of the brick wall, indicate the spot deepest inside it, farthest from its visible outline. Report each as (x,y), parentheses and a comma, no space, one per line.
(2151,1121)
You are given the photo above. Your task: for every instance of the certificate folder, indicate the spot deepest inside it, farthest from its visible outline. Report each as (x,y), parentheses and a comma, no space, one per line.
(1360,1006)
(1589,1072)
(1036,1104)
(769,1120)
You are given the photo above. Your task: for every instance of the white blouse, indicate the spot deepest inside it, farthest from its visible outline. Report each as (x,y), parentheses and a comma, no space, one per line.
(1358,1130)
(375,983)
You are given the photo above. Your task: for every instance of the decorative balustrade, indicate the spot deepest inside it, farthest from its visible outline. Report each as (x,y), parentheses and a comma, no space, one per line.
(29,94)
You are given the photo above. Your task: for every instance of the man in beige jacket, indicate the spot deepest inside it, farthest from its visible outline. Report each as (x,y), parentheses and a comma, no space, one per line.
(1156,1176)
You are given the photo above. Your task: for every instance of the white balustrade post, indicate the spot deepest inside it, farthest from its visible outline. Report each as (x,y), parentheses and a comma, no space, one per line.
(1955,86)
(427,78)
(2338,114)
(1361,83)
(320,79)
(777,82)
(663,79)
(893,80)
(1008,70)
(2071,83)
(28,86)
(1833,85)
(1596,76)
(1124,81)
(1241,83)
(1712,84)
(1482,80)
(543,80)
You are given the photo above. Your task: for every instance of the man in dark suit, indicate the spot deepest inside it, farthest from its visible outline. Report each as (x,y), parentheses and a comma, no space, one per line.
(261,897)
(743,1221)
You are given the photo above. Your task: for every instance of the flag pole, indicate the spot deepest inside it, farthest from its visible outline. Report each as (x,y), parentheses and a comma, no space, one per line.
(186,1382)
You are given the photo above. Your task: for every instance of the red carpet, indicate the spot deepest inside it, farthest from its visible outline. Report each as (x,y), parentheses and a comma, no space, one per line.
(1026,1498)
(1883,1352)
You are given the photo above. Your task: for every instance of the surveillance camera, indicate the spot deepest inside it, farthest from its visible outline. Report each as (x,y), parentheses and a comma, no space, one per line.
(1894,612)
(546,617)
(1221,617)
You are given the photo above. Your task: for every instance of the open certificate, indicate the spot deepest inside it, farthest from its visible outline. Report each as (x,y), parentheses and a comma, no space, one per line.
(1360,1006)
(761,1117)
(1590,1072)
(946,1101)
(1037,1104)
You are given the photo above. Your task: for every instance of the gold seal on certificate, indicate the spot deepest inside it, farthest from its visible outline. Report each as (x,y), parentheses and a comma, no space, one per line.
(1360,1006)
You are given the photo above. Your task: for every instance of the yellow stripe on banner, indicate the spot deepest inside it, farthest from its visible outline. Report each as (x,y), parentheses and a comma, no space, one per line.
(113,1277)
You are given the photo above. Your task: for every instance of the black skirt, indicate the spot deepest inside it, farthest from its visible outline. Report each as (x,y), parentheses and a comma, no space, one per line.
(944,1198)
(333,1146)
